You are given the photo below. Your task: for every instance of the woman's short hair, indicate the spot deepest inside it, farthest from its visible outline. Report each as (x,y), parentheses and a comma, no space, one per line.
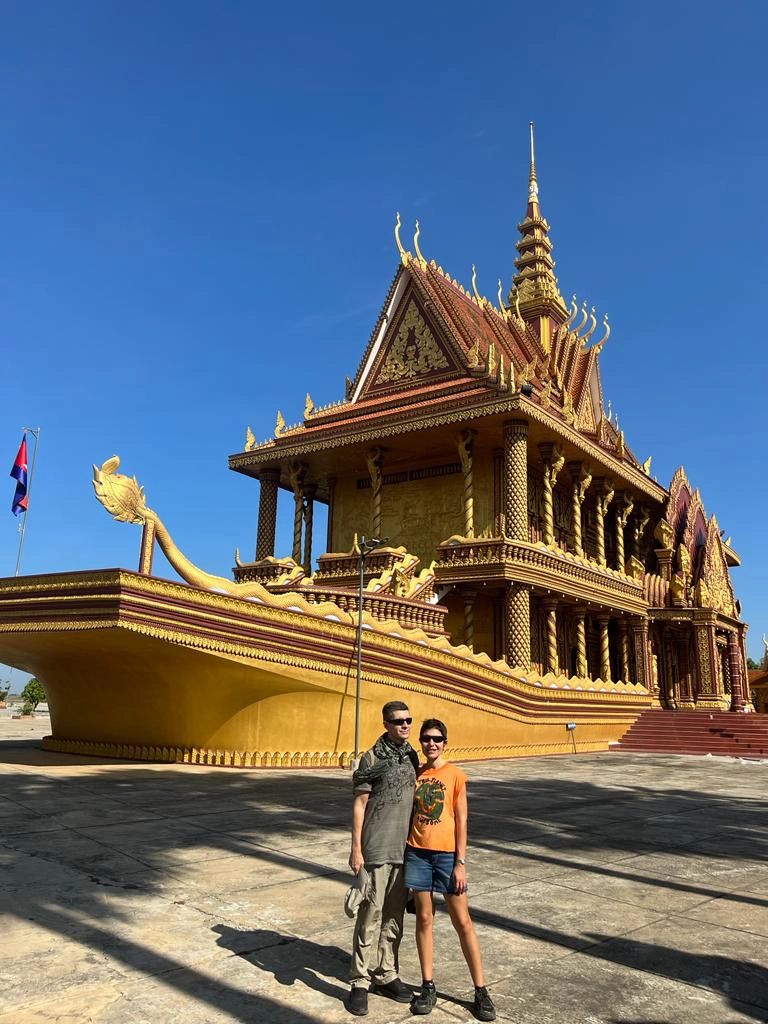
(434,723)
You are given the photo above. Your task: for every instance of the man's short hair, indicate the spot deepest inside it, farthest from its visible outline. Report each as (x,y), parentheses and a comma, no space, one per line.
(390,706)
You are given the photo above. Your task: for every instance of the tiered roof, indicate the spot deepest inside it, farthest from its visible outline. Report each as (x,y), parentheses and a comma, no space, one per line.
(437,344)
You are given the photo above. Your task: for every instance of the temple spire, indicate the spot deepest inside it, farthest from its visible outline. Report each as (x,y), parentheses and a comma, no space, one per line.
(534,287)
(533,184)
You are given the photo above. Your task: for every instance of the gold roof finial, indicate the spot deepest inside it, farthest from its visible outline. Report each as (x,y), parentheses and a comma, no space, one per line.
(419,253)
(574,311)
(401,250)
(592,325)
(474,286)
(605,337)
(533,184)
(585,317)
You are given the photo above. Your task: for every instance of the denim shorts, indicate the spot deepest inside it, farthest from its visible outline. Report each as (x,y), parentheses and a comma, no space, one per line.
(429,870)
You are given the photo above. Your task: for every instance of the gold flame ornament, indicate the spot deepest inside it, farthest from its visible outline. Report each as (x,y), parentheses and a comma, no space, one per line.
(606,336)
(592,325)
(400,249)
(250,439)
(419,254)
(585,317)
(478,296)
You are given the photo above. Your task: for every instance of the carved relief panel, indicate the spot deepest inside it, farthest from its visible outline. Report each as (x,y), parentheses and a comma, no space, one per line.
(535,507)
(561,504)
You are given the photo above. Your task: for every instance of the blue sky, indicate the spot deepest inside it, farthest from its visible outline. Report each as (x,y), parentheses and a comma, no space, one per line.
(197,203)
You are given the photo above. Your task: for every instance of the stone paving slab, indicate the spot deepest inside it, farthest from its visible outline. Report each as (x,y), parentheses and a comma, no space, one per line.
(606,889)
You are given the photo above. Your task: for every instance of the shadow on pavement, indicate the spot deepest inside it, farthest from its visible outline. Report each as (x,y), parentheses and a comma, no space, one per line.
(172,811)
(288,958)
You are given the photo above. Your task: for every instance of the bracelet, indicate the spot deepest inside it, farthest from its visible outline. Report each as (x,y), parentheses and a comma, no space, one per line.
(460,860)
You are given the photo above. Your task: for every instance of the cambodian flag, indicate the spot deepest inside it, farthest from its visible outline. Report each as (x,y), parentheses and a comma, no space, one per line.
(19,473)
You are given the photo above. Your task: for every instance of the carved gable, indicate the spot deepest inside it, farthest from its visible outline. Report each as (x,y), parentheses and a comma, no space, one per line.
(412,352)
(586,419)
(717,591)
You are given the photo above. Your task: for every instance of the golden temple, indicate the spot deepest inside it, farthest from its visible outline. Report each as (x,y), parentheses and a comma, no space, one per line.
(537,575)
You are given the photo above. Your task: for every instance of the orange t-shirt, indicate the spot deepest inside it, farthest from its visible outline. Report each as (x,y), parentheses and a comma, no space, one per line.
(433,826)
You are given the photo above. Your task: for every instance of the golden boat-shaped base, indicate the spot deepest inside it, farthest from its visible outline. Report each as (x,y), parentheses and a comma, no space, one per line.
(144,668)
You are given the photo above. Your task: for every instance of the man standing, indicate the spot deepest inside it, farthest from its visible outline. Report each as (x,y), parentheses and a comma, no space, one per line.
(381,815)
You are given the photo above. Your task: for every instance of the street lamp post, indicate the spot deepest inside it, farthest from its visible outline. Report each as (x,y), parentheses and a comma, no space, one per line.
(365,547)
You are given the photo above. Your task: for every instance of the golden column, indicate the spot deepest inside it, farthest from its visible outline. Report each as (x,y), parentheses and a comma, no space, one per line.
(297,473)
(517,598)
(581,478)
(265,538)
(626,669)
(602,501)
(553,459)
(550,608)
(468,595)
(465,441)
(605,650)
(710,691)
(309,508)
(147,549)
(623,512)
(582,668)
(738,696)
(643,673)
(375,460)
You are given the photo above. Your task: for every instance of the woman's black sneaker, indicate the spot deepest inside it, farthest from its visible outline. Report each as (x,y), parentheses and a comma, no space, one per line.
(483,1007)
(424,1002)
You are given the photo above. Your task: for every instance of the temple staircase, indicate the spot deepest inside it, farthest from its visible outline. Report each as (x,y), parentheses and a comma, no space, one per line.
(723,733)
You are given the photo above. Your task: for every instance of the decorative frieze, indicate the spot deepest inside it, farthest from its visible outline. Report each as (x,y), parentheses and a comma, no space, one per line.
(498,558)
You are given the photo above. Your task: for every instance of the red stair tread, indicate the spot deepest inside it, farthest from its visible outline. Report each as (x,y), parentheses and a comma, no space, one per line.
(697,732)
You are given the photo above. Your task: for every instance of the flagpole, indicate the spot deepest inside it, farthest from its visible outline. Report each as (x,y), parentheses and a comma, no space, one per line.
(23,528)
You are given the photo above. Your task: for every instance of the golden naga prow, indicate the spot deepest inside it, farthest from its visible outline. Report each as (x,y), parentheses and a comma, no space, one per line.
(123,497)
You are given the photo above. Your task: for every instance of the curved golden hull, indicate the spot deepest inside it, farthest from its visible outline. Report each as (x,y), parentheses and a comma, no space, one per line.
(139,667)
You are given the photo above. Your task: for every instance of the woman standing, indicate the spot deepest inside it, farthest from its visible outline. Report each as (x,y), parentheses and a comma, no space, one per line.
(435,861)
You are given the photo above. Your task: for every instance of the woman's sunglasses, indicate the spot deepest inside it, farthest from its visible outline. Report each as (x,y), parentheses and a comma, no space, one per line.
(429,738)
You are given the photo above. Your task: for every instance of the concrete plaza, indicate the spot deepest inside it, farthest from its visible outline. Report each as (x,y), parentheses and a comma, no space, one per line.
(625,889)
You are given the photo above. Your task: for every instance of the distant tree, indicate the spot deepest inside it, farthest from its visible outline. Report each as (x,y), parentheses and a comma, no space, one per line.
(752,664)
(32,694)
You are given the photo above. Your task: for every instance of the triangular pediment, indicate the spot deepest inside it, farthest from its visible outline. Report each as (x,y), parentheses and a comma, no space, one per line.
(413,352)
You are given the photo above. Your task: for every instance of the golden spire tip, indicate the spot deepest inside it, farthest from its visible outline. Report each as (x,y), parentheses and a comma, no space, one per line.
(533,187)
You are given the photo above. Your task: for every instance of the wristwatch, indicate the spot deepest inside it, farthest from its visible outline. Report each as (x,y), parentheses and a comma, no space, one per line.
(460,860)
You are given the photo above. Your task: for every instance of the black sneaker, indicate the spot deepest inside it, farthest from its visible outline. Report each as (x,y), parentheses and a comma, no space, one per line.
(395,989)
(483,1007)
(424,1002)
(358,1002)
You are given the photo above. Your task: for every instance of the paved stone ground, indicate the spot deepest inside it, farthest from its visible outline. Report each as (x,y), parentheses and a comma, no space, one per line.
(619,889)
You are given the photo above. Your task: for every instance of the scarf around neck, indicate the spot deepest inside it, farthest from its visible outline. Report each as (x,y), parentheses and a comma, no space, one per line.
(386,756)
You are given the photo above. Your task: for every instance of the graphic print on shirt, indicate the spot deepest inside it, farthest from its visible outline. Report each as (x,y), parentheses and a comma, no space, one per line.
(429,801)
(390,789)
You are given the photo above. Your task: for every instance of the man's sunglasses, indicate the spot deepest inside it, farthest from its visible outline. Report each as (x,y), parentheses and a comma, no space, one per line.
(429,738)
(399,721)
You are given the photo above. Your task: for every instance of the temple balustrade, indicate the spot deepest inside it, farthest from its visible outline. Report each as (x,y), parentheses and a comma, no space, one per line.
(464,559)
(409,613)
(268,571)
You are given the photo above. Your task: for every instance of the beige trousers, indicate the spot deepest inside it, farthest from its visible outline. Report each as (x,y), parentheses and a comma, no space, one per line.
(379,923)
